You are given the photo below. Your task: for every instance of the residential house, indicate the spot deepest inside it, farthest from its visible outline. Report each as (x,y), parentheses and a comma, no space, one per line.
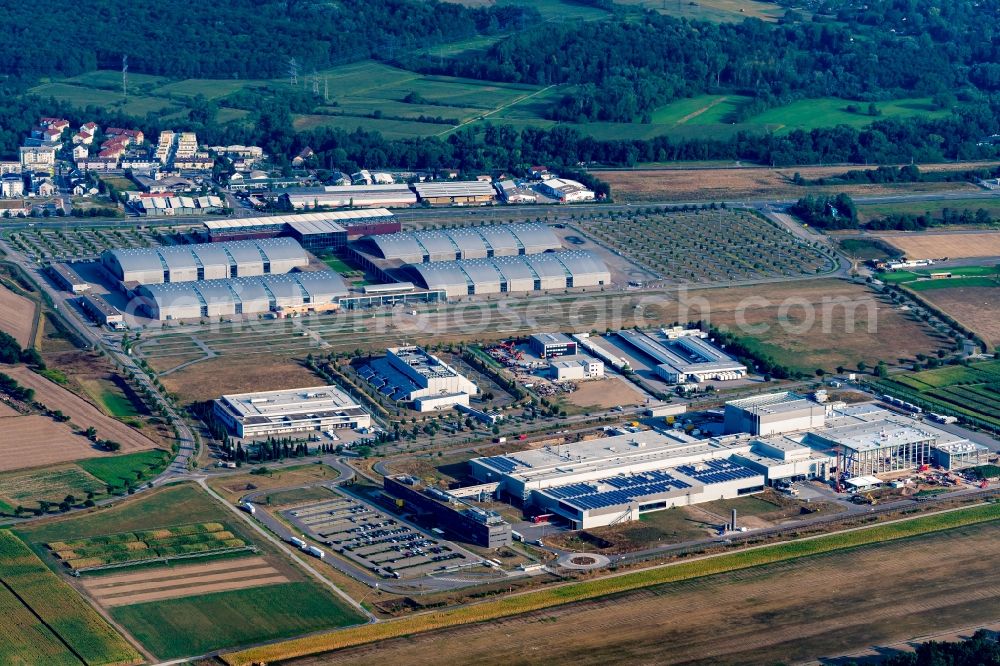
(11,185)
(34,158)
(89,128)
(130,137)
(58,124)
(304,154)
(83,138)
(9,166)
(80,152)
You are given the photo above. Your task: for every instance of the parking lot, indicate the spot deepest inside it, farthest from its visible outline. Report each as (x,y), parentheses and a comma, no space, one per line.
(80,243)
(385,545)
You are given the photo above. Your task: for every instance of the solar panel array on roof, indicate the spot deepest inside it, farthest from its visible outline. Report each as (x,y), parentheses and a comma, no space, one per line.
(717,471)
(616,490)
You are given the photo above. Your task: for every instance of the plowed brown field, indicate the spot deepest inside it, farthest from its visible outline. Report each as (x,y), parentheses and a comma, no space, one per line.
(81,413)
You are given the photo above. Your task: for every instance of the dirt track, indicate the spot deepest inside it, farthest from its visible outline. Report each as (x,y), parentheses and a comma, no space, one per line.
(824,605)
(17,315)
(81,413)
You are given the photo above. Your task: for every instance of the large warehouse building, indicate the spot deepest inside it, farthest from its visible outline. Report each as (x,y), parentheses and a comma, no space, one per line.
(498,275)
(410,373)
(773,413)
(205,261)
(271,413)
(300,292)
(605,481)
(416,247)
(350,222)
(686,358)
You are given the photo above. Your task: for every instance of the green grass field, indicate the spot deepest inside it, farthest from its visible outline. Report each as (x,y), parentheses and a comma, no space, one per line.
(45,620)
(962,276)
(175,505)
(700,110)
(195,625)
(810,114)
(869,211)
(971,391)
(114,471)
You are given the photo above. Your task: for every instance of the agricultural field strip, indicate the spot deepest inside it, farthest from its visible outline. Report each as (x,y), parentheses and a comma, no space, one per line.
(35,440)
(98,588)
(89,636)
(195,588)
(80,412)
(127,547)
(173,572)
(26,636)
(567,593)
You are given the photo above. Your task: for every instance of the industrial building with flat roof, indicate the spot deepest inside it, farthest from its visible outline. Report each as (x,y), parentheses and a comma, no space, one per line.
(547,345)
(463,520)
(67,278)
(315,231)
(271,413)
(576,367)
(294,292)
(101,311)
(416,247)
(352,196)
(205,261)
(686,358)
(533,272)
(773,413)
(455,192)
(410,373)
(605,481)
(609,480)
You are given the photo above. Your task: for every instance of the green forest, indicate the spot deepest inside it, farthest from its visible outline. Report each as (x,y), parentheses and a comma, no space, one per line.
(618,68)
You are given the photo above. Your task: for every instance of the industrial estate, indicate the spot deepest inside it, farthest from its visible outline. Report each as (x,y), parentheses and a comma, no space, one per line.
(580,391)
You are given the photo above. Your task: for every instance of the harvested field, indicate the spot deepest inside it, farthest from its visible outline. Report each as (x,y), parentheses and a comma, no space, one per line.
(930,245)
(7,410)
(761,622)
(52,484)
(809,325)
(183,581)
(754,183)
(974,307)
(235,486)
(81,413)
(35,440)
(237,374)
(17,316)
(605,393)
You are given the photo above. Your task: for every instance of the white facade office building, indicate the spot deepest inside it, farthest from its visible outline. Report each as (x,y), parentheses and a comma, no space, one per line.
(272,413)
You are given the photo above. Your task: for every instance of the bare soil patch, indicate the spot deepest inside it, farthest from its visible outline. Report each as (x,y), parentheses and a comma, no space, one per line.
(727,184)
(930,245)
(36,440)
(17,316)
(81,413)
(974,307)
(605,393)
(7,410)
(233,374)
(154,584)
(233,487)
(778,613)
